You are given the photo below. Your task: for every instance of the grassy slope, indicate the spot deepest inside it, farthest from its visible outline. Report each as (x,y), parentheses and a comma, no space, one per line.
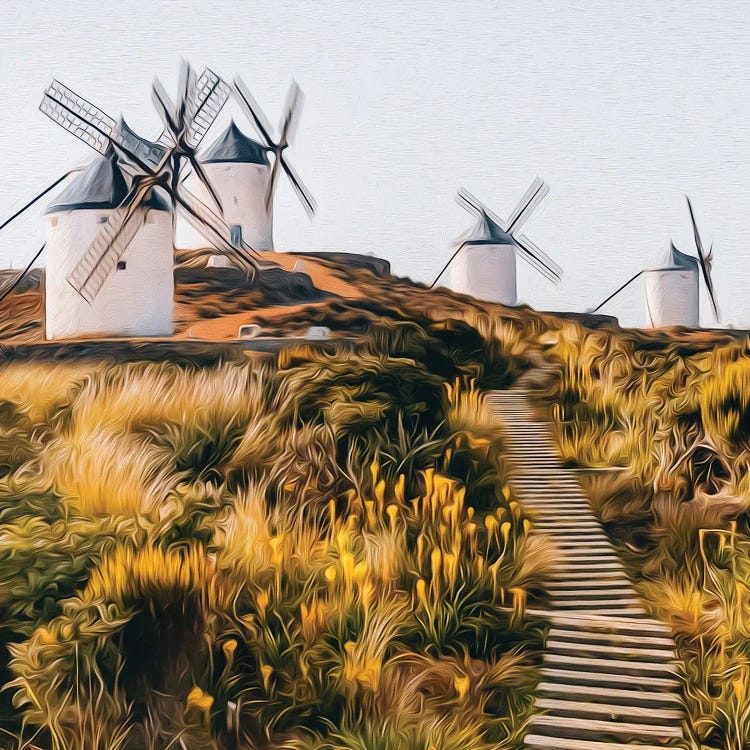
(319,551)
(670,410)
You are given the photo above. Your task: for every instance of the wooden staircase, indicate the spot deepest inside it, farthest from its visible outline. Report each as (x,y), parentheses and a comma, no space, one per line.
(608,675)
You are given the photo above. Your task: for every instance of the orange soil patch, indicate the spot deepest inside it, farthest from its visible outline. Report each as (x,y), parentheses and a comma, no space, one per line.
(226,327)
(322,277)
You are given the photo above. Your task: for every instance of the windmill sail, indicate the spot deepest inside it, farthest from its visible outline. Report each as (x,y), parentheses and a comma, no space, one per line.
(287,128)
(204,102)
(208,223)
(534,256)
(705,260)
(78,116)
(100,259)
(526,206)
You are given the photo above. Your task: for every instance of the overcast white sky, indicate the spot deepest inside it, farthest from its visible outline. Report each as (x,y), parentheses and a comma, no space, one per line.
(623,107)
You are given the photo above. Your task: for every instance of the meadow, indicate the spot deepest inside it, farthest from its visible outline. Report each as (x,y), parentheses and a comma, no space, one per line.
(319,551)
(322,550)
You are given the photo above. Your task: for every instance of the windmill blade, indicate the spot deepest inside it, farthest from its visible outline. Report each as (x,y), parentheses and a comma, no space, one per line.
(13,284)
(308,202)
(290,118)
(534,256)
(205,100)
(466,200)
(705,261)
(37,197)
(94,127)
(164,105)
(78,116)
(254,112)
(480,208)
(273,178)
(531,199)
(187,79)
(203,177)
(203,219)
(101,257)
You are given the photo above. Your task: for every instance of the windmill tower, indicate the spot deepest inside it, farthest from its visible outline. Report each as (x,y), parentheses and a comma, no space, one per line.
(671,291)
(111,233)
(240,171)
(484,262)
(137,296)
(243,176)
(672,287)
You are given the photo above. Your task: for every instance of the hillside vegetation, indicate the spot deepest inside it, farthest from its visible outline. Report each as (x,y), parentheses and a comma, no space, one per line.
(315,552)
(322,551)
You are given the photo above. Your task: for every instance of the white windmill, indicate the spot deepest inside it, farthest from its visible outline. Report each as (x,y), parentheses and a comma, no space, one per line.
(484,262)
(672,286)
(110,241)
(243,176)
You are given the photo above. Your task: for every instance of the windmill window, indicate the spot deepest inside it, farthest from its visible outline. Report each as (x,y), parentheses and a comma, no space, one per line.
(54,221)
(121,265)
(102,219)
(236,201)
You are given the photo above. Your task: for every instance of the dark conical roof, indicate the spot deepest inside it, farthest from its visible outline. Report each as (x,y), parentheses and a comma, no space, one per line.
(676,259)
(103,185)
(682,260)
(488,232)
(234,145)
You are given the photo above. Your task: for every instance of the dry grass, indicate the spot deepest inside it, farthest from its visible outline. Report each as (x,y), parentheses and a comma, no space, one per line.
(317,553)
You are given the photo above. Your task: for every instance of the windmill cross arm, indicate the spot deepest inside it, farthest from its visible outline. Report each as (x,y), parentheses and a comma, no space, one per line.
(538,259)
(253,110)
(204,219)
(100,258)
(531,199)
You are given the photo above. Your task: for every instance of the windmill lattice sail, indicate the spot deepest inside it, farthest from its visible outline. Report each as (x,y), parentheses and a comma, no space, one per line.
(206,99)
(78,116)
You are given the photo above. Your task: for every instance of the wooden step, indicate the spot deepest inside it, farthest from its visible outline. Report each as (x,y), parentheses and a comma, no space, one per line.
(611,639)
(635,669)
(619,696)
(613,679)
(571,573)
(562,580)
(599,650)
(597,729)
(609,711)
(626,609)
(588,622)
(541,742)
(592,593)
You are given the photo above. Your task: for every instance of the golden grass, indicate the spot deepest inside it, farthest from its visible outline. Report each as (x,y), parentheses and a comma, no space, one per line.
(320,553)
